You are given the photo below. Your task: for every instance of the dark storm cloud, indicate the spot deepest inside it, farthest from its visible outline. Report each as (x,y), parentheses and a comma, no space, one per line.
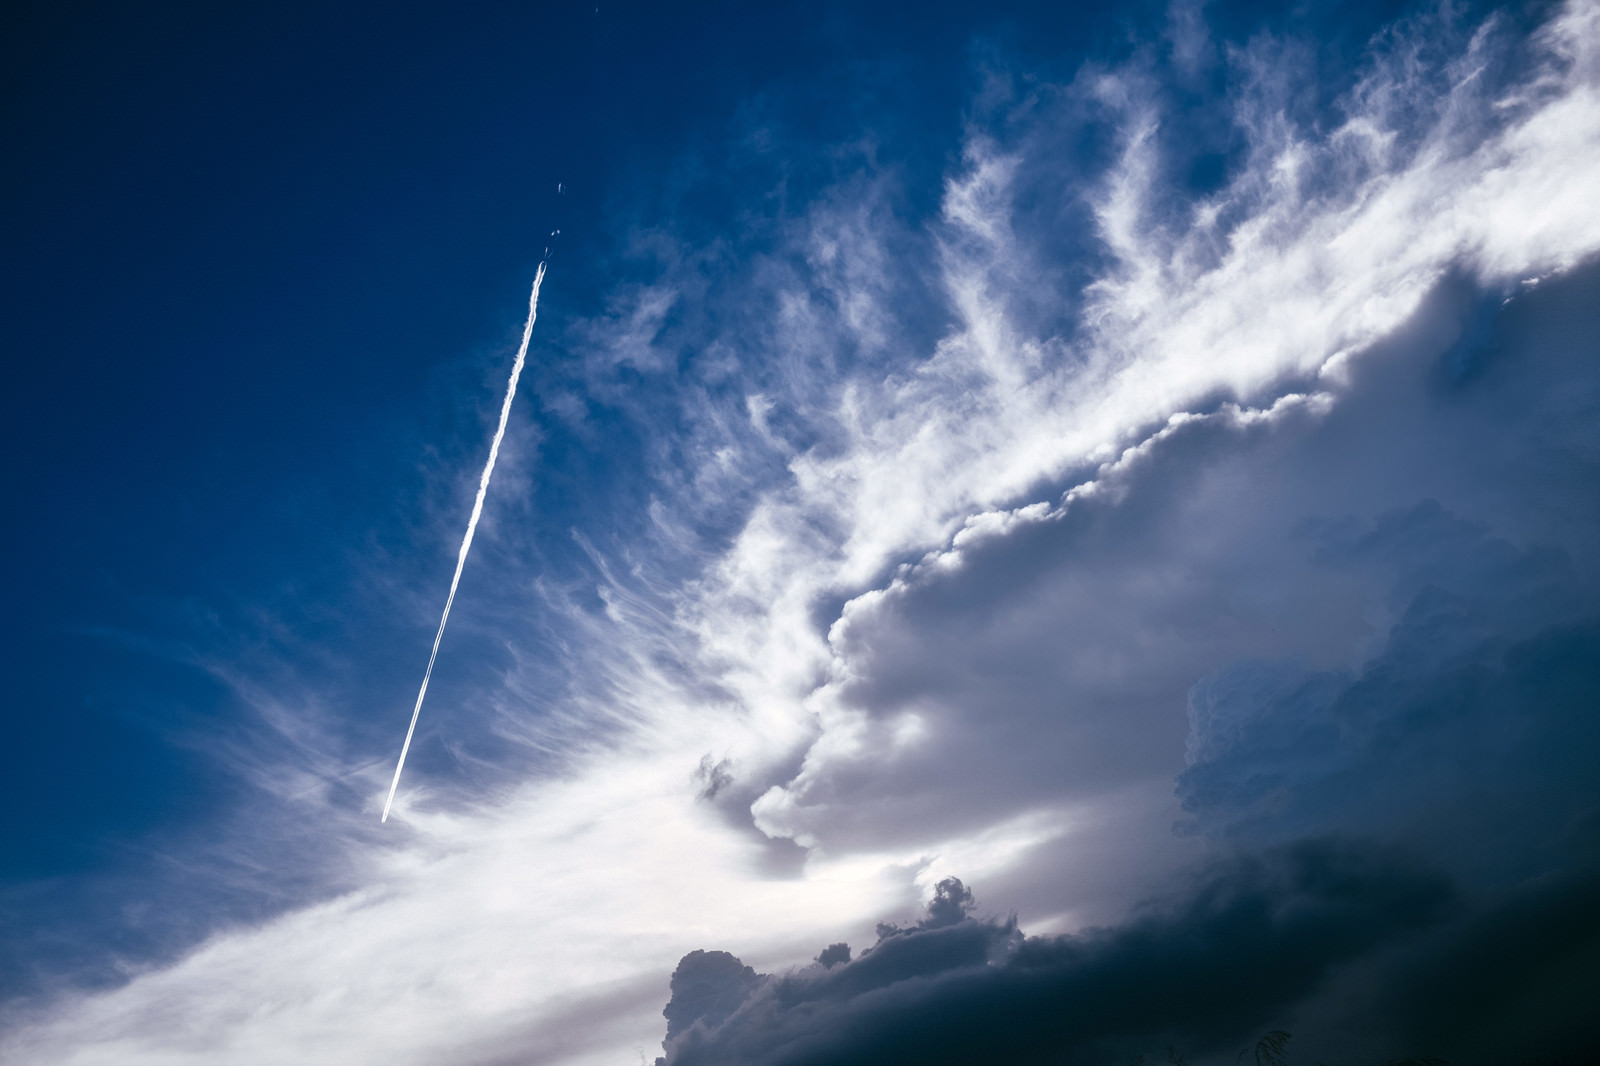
(1249,938)
(707,987)
(1472,729)
(1511,983)
(1428,538)
(1420,558)
(1415,968)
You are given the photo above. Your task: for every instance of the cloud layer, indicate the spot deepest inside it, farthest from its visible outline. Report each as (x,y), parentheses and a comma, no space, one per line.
(1249,940)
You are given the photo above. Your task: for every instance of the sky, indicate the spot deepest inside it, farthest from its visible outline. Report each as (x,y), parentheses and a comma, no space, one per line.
(1026,533)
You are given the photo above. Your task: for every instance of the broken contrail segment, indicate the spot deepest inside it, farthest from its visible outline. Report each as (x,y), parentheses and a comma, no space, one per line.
(472,527)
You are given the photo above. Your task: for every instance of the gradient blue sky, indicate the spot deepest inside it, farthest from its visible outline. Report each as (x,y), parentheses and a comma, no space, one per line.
(1057,448)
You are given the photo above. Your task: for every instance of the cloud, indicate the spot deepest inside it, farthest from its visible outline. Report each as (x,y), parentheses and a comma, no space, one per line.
(1264,291)
(1467,733)
(1042,662)
(1508,983)
(1208,971)
(487,935)
(707,987)
(1357,950)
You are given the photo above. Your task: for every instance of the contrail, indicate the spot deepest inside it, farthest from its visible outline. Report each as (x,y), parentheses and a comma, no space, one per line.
(472,527)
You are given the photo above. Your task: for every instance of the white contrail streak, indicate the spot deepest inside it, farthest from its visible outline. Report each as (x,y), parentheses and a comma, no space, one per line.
(472,527)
